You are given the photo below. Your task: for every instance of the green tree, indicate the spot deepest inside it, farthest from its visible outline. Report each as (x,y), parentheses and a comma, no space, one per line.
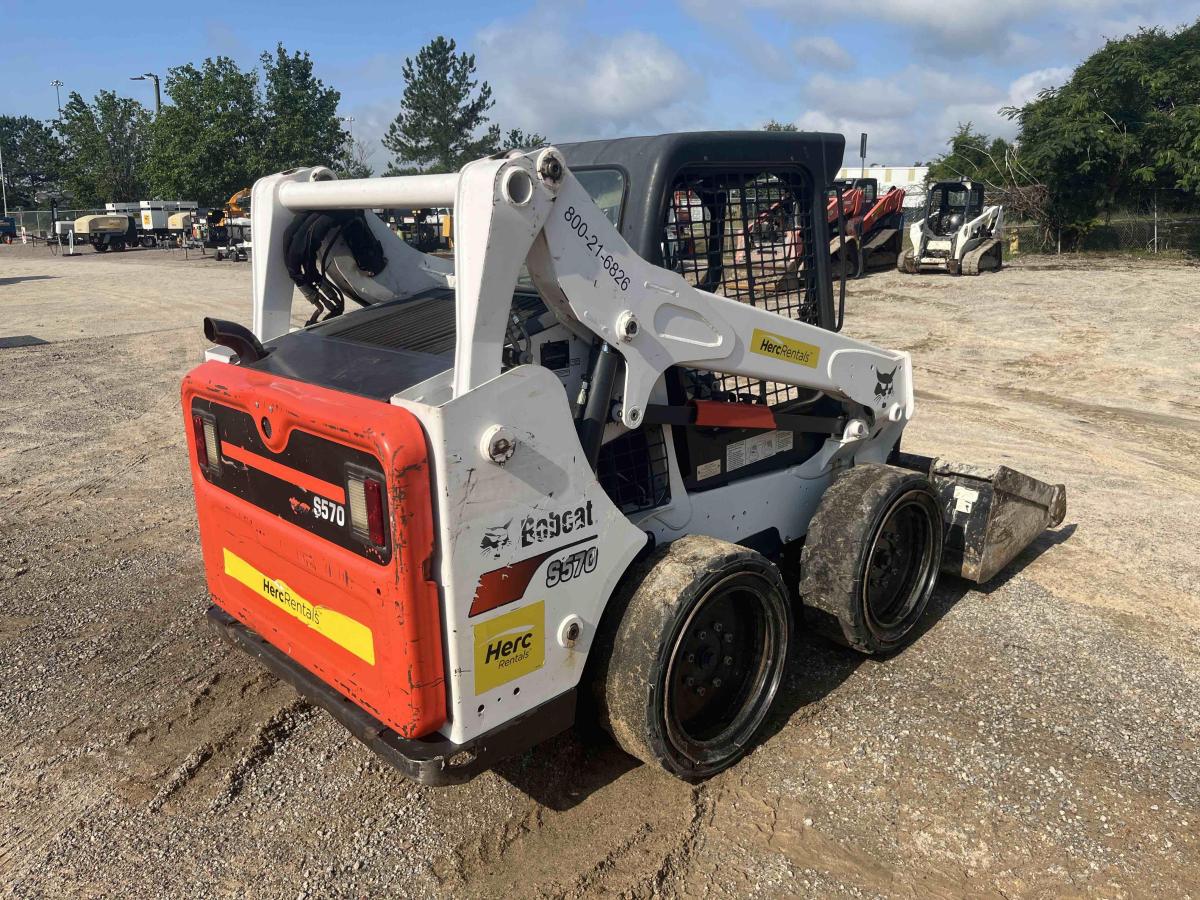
(355,160)
(105,145)
(209,140)
(444,108)
(516,139)
(302,126)
(1126,123)
(772,125)
(974,156)
(32,160)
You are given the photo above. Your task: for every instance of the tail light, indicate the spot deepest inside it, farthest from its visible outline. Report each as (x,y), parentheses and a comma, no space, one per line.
(208,452)
(365,496)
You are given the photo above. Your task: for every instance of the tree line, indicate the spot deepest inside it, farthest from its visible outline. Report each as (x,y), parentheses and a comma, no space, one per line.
(1124,128)
(221,127)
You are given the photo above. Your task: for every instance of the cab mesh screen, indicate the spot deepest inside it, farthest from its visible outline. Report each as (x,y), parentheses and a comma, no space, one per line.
(747,236)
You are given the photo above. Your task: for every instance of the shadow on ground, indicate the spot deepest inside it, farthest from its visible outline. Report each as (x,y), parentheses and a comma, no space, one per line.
(566,770)
(19,278)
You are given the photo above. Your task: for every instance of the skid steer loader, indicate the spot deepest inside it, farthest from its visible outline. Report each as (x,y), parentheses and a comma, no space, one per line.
(589,463)
(958,233)
(874,231)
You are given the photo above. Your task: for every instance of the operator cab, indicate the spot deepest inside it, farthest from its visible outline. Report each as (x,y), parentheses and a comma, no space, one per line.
(951,204)
(869,187)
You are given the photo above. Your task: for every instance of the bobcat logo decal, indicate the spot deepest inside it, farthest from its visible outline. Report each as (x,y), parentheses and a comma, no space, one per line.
(883,383)
(495,539)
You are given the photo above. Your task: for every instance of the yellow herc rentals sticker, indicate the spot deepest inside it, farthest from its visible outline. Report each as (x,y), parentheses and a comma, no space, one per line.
(509,646)
(765,343)
(344,631)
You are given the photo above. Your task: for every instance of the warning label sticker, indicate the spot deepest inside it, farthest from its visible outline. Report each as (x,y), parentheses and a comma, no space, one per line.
(708,470)
(509,646)
(755,449)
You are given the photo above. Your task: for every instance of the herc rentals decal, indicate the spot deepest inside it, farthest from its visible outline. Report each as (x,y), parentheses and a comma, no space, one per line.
(765,343)
(509,646)
(347,633)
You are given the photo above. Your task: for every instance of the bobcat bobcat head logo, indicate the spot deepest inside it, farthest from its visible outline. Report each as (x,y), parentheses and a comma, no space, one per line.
(495,539)
(883,383)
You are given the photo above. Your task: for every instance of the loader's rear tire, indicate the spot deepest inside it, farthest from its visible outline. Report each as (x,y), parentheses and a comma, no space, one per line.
(871,557)
(691,656)
(906,262)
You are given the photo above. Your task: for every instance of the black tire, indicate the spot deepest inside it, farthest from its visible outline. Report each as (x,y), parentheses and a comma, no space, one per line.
(118,246)
(871,557)
(690,659)
(100,248)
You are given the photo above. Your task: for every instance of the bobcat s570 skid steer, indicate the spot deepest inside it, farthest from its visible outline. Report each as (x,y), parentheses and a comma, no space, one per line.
(587,459)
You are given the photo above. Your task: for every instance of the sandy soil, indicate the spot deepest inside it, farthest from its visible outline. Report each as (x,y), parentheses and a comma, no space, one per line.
(1040,738)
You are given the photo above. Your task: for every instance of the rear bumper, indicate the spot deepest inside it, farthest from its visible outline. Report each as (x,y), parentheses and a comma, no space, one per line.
(433,760)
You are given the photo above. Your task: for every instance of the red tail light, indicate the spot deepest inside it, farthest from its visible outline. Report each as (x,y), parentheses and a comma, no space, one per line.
(364,495)
(374,492)
(201,443)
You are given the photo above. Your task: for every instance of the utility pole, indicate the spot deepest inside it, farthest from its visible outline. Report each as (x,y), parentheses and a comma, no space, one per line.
(56,84)
(349,120)
(157,95)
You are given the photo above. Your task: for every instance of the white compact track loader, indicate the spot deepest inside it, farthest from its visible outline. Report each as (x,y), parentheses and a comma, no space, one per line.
(958,233)
(591,465)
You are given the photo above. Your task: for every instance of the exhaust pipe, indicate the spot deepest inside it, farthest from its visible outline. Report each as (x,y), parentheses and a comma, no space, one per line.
(238,338)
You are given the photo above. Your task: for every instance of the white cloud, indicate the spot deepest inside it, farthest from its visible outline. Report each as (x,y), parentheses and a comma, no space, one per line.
(962,29)
(573,85)
(911,115)
(822,51)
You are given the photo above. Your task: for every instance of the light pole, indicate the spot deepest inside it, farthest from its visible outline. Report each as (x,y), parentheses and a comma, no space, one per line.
(157,95)
(56,84)
(349,120)
(3,183)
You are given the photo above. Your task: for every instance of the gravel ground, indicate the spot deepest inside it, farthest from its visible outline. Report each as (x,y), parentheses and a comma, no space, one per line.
(1040,738)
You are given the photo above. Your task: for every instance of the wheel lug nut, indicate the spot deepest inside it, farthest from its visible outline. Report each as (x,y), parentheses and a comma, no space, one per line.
(700,690)
(718,627)
(716,682)
(702,635)
(729,660)
(729,638)
(691,657)
(691,682)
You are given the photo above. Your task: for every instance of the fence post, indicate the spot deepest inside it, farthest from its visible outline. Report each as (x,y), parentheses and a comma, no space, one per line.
(1156,222)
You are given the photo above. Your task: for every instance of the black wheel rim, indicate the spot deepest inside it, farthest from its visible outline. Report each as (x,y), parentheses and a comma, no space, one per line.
(900,565)
(724,670)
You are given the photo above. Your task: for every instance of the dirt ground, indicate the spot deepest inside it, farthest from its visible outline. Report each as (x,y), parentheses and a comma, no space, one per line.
(1040,738)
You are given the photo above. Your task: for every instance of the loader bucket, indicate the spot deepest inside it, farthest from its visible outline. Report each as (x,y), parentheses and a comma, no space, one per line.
(991,514)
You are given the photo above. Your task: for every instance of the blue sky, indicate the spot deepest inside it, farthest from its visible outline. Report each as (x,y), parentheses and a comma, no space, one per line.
(905,71)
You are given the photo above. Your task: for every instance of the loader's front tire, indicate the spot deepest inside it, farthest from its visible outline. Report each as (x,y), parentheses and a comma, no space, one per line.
(691,656)
(871,557)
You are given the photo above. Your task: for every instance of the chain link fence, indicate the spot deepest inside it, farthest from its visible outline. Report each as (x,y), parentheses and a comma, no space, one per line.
(39,223)
(1119,234)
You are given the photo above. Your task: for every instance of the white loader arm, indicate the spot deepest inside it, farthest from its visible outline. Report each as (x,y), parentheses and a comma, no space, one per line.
(587,272)
(529,208)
